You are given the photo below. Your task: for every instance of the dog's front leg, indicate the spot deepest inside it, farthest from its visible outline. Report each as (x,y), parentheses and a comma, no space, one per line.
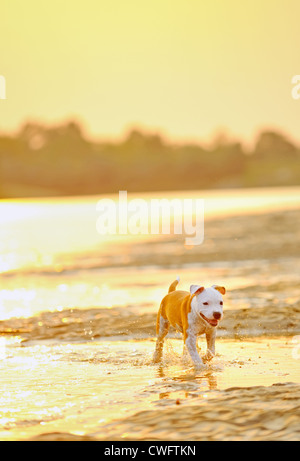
(190,340)
(210,341)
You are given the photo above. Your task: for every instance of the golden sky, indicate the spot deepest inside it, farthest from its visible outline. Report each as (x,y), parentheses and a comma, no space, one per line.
(185,67)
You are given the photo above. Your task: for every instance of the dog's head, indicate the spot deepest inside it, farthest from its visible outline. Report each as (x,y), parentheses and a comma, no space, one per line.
(208,303)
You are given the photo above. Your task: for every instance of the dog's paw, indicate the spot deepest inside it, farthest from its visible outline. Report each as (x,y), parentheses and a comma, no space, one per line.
(200,366)
(157,357)
(208,356)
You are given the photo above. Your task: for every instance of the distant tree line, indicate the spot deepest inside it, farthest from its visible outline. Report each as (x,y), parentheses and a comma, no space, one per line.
(52,161)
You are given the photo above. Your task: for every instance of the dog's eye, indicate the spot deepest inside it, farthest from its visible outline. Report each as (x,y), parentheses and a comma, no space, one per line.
(221,302)
(205,304)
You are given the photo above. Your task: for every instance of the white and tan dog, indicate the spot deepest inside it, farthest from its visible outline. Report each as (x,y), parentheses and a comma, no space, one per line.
(192,313)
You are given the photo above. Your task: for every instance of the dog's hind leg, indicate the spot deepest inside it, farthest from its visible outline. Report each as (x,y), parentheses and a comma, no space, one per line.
(162,330)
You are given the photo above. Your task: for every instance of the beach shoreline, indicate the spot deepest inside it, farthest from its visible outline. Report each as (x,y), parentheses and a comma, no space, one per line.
(77,343)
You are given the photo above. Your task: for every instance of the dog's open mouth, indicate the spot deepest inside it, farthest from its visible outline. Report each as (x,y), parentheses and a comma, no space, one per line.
(212,322)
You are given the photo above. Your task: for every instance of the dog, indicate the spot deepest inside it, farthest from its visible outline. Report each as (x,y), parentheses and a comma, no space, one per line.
(192,313)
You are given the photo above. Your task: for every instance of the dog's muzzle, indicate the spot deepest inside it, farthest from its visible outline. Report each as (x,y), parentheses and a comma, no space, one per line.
(217,315)
(213,322)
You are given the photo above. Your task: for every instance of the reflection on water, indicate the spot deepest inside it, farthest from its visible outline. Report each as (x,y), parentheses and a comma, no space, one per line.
(141,288)
(52,258)
(67,296)
(54,387)
(54,233)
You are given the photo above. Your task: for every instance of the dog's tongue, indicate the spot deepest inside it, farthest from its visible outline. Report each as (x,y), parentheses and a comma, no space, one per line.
(213,322)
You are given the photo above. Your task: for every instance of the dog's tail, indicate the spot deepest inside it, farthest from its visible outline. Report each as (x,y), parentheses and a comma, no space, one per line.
(174,284)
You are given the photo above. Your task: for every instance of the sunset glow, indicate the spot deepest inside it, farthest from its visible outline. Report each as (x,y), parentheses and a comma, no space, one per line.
(149,221)
(185,68)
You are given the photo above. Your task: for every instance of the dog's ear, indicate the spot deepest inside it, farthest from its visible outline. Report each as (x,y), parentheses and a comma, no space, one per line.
(196,289)
(220,289)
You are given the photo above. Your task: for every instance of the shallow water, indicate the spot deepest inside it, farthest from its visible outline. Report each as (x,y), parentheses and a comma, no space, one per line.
(142,288)
(80,388)
(58,233)
(77,323)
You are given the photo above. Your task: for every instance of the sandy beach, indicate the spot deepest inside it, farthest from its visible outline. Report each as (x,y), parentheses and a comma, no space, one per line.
(85,372)
(144,142)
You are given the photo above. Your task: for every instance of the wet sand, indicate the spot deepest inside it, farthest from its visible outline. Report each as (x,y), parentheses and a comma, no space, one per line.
(93,324)
(111,390)
(84,371)
(88,375)
(236,414)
